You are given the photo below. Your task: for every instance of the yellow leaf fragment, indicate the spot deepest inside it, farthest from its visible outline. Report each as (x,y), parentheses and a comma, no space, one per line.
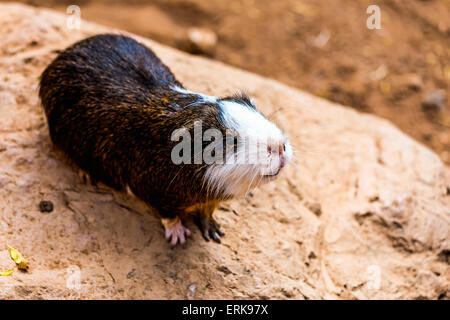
(385,87)
(21,262)
(7,272)
(447,72)
(445,121)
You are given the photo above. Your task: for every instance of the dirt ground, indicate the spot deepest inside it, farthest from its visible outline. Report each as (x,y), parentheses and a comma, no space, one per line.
(320,46)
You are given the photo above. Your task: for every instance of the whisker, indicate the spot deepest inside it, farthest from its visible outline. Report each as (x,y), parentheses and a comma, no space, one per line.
(295,157)
(295,165)
(251,182)
(243,175)
(259,182)
(297,149)
(270,115)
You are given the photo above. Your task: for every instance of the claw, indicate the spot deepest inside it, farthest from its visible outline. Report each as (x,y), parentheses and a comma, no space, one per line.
(86,178)
(209,229)
(219,232)
(216,237)
(175,231)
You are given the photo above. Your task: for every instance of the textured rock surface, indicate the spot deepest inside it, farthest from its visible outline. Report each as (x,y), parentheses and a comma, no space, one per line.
(364,212)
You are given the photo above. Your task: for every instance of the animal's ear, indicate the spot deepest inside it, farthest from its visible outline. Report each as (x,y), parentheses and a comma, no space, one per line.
(241,97)
(244,97)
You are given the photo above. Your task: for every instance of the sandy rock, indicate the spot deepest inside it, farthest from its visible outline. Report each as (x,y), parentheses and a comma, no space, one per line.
(363,212)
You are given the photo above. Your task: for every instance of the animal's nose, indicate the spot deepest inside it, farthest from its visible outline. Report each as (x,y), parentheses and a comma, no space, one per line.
(276,148)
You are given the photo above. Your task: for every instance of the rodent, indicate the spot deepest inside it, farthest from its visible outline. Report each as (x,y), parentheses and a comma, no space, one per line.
(112,107)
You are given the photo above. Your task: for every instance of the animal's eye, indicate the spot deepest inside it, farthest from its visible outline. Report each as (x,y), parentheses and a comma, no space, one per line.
(284,147)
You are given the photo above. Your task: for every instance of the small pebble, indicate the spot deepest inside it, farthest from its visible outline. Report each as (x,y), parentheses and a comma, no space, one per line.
(434,100)
(46,206)
(314,207)
(202,40)
(191,291)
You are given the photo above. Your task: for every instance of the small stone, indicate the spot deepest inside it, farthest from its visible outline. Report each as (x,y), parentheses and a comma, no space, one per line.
(380,73)
(191,291)
(224,270)
(434,100)
(131,274)
(46,206)
(314,207)
(202,40)
(413,81)
(322,39)
(406,84)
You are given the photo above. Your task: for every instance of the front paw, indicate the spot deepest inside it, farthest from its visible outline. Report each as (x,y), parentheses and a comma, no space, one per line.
(209,229)
(175,231)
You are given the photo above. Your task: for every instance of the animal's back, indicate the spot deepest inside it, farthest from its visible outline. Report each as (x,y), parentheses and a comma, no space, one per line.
(107,64)
(96,97)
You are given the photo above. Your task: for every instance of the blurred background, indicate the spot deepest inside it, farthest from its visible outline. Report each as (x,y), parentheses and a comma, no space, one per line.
(400,72)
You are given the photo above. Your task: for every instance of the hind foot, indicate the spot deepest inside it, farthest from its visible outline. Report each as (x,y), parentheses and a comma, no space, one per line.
(175,231)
